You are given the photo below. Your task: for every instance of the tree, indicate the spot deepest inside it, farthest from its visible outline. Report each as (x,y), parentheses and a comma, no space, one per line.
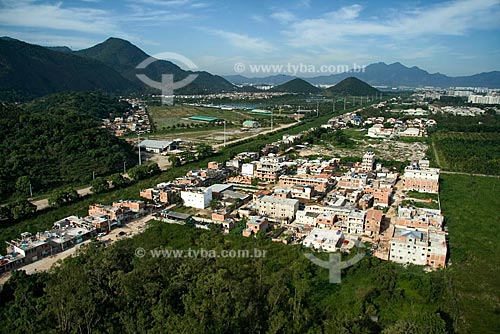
(62,197)
(21,209)
(174,160)
(117,180)
(23,185)
(99,185)
(204,151)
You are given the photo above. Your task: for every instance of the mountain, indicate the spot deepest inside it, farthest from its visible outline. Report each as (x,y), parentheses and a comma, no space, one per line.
(277,79)
(28,70)
(123,57)
(296,86)
(391,75)
(60,48)
(352,86)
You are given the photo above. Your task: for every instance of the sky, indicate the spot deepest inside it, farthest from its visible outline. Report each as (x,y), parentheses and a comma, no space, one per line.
(311,37)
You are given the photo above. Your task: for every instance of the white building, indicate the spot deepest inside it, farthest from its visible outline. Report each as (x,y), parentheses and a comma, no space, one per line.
(324,240)
(419,247)
(247,169)
(421,179)
(486,99)
(276,207)
(198,198)
(368,161)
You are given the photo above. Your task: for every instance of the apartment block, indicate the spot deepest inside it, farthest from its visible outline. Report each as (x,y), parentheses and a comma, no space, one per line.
(368,162)
(421,179)
(320,183)
(198,198)
(279,208)
(373,221)
(419,247)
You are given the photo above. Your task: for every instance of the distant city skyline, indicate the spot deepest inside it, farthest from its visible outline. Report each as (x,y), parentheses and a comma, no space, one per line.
(451,37)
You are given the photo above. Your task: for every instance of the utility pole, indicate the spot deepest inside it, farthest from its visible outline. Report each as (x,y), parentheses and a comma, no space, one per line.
(271,121)
(344,101)
(93,175)
(124,169)
(317,108)
(333,105)
(31,191)
(224,133)
(139,146)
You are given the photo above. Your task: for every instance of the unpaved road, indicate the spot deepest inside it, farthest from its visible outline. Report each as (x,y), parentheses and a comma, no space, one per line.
(44,202)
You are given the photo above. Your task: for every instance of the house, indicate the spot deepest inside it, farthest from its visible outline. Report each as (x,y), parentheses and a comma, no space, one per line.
(198,198)
(421,218)
(30,247)
(324,240)
(254,225)
(373,221)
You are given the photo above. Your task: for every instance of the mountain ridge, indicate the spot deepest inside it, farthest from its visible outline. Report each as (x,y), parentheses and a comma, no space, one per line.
(391,75)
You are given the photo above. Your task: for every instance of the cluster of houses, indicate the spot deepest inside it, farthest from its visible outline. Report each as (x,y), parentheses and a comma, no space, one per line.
(70,231)
(392,127)
(135,120)
(325,204)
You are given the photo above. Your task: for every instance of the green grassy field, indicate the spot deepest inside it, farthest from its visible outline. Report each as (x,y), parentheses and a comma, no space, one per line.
(470,206)
(164,116)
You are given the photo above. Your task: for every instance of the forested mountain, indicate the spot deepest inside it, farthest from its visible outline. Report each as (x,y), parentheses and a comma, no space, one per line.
(296,86)
(352,86)
(124,57)
(28,70)
(56,144)
(112,290)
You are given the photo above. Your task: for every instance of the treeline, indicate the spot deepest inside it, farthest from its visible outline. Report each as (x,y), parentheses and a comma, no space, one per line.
(110,290)
(54,146)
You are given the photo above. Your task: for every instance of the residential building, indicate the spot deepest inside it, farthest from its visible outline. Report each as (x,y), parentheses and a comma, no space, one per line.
(419,247)
(278,208)
(324,240)
(368,162)
(421,179)
(373,221)
(255,224)
(198,198)
(421,218)
(321,183)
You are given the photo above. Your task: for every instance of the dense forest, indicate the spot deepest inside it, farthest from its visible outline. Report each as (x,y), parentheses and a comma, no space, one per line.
(110,290)
(57,140)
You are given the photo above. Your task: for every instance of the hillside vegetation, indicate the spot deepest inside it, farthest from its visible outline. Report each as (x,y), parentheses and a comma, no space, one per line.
(56,141)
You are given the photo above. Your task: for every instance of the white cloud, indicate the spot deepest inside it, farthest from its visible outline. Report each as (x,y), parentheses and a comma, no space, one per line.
(31,15)
(283,16)
(244,41)
(449,18)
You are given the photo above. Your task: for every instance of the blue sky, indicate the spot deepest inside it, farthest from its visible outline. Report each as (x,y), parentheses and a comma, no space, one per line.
(451,37)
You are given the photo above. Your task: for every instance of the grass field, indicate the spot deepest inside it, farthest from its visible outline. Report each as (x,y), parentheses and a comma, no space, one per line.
(164,116)
(470,205)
